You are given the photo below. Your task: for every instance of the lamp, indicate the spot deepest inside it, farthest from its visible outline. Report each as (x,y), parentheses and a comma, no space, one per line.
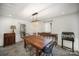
(13,27)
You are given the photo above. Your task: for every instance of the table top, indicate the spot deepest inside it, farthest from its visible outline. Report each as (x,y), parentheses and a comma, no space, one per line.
(37,41)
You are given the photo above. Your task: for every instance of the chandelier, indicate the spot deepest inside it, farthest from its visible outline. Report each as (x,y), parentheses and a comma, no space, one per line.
(35,20)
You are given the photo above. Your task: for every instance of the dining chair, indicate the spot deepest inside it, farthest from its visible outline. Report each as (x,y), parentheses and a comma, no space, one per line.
(48,49)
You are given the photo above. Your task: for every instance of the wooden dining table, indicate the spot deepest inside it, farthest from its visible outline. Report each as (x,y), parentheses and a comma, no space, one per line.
(35,41)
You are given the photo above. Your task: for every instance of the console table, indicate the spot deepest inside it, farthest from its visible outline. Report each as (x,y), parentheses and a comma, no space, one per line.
(69,36)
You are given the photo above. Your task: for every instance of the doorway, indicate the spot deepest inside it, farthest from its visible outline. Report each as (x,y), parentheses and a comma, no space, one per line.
(22,30)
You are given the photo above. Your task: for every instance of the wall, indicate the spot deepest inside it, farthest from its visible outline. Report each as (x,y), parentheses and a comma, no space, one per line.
(78,29)
(5,23)
(67,23)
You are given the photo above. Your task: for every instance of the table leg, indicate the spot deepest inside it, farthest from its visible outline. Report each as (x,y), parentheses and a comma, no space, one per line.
(62,43)
(72,46)
(38,52)
(24,45)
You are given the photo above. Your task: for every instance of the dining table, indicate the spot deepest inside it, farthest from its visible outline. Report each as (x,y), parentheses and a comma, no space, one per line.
(37,42)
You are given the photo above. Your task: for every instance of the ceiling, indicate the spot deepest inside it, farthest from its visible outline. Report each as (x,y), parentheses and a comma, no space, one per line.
(45,11)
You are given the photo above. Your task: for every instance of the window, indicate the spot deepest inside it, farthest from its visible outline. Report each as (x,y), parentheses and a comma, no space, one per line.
(48,27)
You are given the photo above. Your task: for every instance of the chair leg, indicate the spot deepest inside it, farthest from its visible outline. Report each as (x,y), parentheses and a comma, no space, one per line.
(52,54)
(29,48)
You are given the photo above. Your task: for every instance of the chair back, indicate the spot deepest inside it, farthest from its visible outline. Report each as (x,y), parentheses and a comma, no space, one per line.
(48,48)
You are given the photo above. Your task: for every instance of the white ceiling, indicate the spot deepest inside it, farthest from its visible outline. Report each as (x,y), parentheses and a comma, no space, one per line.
(24,11)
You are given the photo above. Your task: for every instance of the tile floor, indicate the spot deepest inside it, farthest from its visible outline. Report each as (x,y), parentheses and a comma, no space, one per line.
(19,50)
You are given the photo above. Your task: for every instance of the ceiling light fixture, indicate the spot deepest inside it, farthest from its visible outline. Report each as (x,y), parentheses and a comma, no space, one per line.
(35,20)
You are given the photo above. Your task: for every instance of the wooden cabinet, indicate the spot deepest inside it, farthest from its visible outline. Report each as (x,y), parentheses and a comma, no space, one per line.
(9,39)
